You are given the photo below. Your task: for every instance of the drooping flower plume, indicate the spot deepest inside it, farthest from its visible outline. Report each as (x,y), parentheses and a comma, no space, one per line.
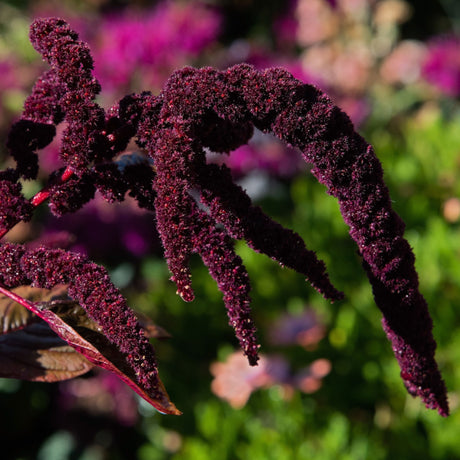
(198,208)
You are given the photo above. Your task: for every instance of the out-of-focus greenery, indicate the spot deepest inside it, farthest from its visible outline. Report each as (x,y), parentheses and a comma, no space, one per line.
(362,411)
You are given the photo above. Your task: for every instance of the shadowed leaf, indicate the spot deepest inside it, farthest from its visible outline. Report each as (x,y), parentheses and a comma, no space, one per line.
(36,353)
(14,316)
(39,359)
(151,330)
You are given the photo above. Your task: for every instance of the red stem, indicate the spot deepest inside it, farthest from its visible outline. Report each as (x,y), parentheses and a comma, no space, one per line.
(24,302)
(42,196)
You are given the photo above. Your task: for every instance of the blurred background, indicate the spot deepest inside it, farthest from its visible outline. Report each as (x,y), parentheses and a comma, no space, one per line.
(328,386)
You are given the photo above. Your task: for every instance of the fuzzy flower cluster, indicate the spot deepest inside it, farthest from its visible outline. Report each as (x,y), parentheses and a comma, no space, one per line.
(198,208)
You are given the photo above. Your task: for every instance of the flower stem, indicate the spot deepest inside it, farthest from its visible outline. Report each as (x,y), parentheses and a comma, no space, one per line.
(40,197)
(16,298)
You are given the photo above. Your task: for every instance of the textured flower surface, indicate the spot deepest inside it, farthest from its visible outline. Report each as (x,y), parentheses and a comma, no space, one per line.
(198,208)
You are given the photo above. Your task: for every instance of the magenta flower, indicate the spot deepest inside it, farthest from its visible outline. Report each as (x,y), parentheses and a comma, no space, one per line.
(442,65)
(148,45)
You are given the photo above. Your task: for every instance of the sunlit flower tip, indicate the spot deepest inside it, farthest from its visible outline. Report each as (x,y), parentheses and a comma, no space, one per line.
(227,269)
(415,355)
(186,293)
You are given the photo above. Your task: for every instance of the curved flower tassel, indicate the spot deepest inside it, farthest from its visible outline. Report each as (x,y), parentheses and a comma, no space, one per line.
(347,165)
(201,109)
(230,206)
(216,250)
(302,116)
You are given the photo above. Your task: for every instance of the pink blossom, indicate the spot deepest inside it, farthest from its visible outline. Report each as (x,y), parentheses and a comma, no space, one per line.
(310,378)
(235,380)
(442,65)
(150,44)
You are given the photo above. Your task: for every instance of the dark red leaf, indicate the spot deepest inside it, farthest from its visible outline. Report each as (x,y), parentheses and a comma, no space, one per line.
(70,322)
